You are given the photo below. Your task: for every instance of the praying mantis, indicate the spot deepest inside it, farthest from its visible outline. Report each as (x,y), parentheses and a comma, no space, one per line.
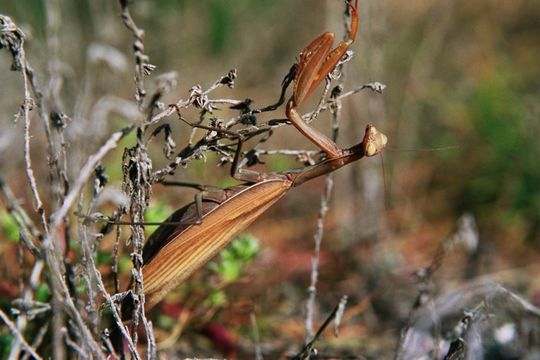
(194,234)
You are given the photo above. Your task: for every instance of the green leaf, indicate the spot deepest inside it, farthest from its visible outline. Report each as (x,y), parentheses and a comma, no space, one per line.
(124,264)
(219,25)
(281,163)
(43,293)
(9,227)
(165,321)
(103,257)
(246,247)
(217,298)
(230,270)
(157,213)
(80,286)
(6,339)
(235,258)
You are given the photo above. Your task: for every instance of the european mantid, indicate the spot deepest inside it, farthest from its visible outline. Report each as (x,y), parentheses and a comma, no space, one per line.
(194,234)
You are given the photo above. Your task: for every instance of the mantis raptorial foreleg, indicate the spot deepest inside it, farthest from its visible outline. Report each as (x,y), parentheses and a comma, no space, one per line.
(287,80)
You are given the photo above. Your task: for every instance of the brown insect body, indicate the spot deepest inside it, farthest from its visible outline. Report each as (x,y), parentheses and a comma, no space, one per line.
(174,252)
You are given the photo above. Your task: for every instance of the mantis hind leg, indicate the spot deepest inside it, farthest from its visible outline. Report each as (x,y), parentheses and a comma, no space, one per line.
(197,219)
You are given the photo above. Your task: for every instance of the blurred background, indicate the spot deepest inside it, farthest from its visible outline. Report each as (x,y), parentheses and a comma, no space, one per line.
(461,113)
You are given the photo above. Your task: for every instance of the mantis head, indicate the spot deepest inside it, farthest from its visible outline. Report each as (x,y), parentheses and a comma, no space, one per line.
(374,141)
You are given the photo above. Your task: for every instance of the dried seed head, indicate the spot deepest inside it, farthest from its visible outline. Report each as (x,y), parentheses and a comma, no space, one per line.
(374,141)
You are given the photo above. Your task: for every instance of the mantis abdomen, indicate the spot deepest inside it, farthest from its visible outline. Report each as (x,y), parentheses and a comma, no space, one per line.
(186,251)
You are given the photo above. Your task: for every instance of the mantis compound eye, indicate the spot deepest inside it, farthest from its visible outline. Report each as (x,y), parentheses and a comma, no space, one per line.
(374,141)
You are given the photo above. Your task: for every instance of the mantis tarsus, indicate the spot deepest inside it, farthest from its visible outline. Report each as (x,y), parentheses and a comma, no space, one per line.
(174,252)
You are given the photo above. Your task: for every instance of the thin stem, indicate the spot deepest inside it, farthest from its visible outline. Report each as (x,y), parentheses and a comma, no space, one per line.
(308,347)
(142,67)
(27,229)
(15,332)
(317,239)
(108,299)
(85,173)
(28,101)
